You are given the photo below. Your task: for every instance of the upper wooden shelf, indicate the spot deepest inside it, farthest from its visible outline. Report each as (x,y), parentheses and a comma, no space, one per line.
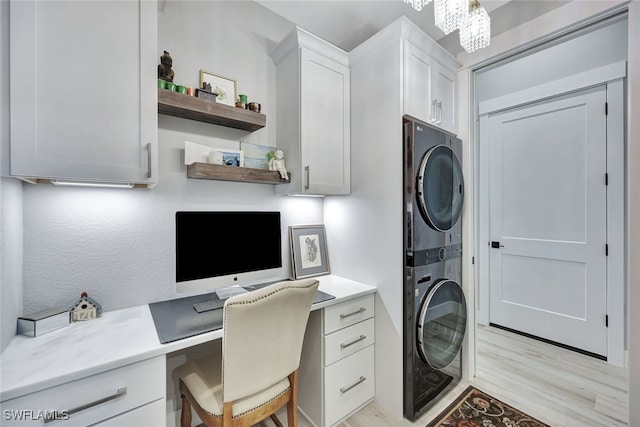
(234,173)
(189,107)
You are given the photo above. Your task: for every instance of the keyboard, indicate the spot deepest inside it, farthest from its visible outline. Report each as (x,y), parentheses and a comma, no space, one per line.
(212,304)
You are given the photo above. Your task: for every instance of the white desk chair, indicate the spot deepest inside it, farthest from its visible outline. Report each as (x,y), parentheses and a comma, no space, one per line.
(262,339)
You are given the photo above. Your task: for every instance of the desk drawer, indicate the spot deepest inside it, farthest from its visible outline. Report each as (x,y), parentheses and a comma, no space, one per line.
(347,341)
(348,313)
(349,384)
(92,399)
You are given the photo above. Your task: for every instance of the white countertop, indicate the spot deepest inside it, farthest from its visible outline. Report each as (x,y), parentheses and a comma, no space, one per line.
(115,339)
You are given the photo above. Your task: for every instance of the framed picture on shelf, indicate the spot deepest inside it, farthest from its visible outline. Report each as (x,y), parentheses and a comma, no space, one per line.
(226,156)
(225,87)
(308,251)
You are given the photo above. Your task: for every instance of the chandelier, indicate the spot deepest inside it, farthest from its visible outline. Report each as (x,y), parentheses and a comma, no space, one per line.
(468,16)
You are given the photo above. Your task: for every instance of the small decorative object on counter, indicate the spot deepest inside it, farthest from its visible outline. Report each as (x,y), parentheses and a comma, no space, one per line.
(85,309)
(254,106)
(164,69)
(43,322)
(205,92)
(277,164)
(242,101)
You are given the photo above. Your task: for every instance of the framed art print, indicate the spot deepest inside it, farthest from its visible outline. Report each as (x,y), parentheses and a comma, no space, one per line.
(308,251)
(226,88)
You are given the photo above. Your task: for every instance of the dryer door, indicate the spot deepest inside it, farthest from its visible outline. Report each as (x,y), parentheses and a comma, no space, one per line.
(442,324)
(440,188)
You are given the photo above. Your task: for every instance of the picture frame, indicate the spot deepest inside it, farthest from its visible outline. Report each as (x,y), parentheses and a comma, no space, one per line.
(227,156)
(226,88)
(309,256)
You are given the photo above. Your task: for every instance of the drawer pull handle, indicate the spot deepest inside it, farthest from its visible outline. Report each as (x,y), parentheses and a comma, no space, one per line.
(357,340)
(149,171)
(359,381)
(120,393)
(353,313)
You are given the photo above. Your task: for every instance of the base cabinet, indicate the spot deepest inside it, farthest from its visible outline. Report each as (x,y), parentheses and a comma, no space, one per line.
(337,365)
(132,392)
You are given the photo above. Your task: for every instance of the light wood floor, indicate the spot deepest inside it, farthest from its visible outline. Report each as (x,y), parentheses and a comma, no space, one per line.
(559,387)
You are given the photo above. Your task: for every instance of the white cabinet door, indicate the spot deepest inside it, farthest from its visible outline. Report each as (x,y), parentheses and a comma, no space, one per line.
(419,100)
(313,114)
(325,125)
(83,96)
(446,98)
(429,89)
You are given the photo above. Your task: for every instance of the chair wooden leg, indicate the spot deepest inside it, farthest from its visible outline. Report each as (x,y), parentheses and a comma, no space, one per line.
(276,420)
(227,414)
(292,405)
(185,414)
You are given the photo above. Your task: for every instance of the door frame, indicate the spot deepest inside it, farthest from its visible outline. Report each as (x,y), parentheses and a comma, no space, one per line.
(613,77)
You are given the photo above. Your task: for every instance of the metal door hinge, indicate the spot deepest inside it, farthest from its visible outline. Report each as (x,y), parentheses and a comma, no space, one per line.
(606,108)
(606,320)
(606,178)
(473,260)
(606,249)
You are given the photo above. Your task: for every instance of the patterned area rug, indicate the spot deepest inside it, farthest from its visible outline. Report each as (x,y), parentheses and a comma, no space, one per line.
(474,408)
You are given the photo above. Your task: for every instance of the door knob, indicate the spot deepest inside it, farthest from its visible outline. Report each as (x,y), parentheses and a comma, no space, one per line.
(496,245)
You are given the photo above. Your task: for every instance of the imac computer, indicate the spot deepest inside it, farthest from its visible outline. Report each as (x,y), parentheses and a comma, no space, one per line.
(224,248)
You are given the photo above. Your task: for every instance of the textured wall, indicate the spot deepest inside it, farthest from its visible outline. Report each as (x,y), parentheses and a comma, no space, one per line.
(119,245)
(10,257)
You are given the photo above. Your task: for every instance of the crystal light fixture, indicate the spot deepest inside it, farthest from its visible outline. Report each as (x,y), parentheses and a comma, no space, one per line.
(468,16)
(475,29)
(449,14)
(417,4)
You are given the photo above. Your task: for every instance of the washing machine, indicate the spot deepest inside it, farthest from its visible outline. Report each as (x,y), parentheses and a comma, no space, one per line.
(434,305)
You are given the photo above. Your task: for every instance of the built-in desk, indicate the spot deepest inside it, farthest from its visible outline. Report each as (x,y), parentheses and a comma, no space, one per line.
(87,361)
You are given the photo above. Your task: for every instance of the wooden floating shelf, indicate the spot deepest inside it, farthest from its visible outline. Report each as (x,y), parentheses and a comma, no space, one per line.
(234,173)
(189,107)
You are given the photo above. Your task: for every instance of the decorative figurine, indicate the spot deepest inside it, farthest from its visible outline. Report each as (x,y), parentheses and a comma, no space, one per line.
(164,69)
(85,309)
(277,164)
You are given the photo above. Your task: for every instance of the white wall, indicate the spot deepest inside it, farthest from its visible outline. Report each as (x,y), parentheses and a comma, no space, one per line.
(10,206)
(119,245)
(11,257)
(565,58)
(633,160)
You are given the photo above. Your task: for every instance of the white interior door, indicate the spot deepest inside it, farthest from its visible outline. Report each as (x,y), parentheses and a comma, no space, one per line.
(548,206)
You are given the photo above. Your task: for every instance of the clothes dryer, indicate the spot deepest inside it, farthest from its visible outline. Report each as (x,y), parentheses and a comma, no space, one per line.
(435,310)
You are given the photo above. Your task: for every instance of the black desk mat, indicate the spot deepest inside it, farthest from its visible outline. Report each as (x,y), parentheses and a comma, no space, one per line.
(177,319)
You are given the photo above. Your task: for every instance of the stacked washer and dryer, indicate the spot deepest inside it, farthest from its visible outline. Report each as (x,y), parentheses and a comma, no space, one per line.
(435,311)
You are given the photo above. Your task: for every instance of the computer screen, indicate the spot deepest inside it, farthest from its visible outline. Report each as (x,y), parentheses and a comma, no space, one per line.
(226,243)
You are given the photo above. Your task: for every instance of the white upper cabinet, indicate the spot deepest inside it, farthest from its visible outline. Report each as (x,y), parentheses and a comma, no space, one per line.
(429,88)
(83,92)
(313,114)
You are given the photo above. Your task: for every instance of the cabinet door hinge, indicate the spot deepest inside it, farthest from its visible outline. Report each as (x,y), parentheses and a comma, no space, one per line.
(473,260)
(606,178)
(606,249)
(606,320)
(606,108)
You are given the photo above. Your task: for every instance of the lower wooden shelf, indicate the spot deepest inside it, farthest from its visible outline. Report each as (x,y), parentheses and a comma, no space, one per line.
(234,173)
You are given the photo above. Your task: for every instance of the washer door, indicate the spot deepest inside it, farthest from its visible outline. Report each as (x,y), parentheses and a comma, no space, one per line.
(440,188)
(442,324)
